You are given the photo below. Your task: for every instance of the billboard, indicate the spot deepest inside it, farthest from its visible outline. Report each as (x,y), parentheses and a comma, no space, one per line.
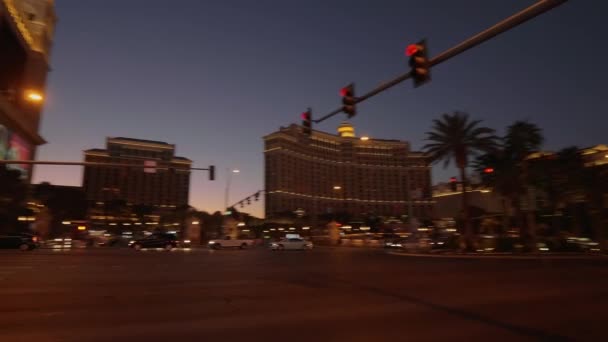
(13,147)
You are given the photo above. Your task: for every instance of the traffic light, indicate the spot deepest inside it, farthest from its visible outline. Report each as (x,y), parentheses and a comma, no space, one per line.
(421,68)
(211,172)
(453,184)
(488,170)
(349,100)
(307,122)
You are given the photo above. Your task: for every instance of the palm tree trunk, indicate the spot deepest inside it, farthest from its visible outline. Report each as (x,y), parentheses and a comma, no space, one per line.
(505,216)
(465,210)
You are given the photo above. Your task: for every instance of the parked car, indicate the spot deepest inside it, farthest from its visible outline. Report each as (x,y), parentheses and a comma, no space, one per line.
(228,242)
(156,240)
(291,244)
(22,241)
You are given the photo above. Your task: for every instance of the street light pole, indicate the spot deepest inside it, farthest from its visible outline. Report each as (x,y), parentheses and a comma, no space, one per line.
(228,181)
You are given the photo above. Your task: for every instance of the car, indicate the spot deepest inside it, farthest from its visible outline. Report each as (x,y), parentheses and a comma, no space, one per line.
(291,244)
(156,240)
(410,244)
(22,241)
(229,242)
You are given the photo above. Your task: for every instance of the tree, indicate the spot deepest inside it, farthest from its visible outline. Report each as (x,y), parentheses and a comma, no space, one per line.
(511,177)
(456,137)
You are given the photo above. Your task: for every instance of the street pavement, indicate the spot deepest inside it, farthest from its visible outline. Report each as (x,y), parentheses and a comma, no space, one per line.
(328,294)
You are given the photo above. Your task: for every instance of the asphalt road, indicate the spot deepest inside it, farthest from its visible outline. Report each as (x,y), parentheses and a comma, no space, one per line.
(323,295)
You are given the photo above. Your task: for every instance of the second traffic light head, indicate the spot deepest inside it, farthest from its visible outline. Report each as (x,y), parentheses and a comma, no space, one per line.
(421,69)
(307,122)
(349,101)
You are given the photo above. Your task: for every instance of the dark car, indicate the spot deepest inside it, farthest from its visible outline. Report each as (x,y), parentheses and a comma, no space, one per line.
(156,240)
(24,242)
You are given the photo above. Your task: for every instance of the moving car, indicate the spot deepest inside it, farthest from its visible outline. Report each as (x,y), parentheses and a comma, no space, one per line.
(291,244)
(410,244)
(228,242)
(22,241)
(156,240)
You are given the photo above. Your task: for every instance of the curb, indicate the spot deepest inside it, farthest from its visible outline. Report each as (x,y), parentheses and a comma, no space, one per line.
(504,257)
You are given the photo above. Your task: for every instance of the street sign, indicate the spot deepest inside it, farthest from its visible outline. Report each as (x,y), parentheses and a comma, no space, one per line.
(152,164)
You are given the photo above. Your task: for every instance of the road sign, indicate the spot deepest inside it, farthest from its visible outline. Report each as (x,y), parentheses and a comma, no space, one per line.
(152,166)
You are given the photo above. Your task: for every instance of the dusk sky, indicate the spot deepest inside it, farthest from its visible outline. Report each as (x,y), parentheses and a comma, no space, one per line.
(213,77)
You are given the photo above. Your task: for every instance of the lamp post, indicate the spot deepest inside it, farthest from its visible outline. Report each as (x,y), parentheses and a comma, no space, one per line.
(228,181)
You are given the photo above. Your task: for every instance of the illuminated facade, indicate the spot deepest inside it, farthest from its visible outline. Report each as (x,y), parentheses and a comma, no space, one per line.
(327,173)
(26,31)
(165,187)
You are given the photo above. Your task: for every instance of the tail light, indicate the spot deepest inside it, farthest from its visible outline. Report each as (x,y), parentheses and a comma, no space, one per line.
(35,238)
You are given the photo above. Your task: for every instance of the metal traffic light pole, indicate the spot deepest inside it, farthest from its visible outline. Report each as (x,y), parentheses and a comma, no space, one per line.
(516,19)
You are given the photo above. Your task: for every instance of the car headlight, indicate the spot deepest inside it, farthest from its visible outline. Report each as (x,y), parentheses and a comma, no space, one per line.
(186,241)
(211,242)
(274,245)
(131,242)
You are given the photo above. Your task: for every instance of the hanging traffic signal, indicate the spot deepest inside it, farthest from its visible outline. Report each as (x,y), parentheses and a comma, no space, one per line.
(349,100)
(307,122)
(453,183)
(211,172)
(421,68)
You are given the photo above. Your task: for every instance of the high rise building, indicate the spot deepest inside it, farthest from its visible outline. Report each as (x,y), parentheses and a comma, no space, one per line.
(327,173)
(164,186)
(26,31)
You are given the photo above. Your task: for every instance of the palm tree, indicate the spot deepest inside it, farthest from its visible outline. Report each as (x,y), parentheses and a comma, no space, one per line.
(512,169)
(522,139)
(456,137)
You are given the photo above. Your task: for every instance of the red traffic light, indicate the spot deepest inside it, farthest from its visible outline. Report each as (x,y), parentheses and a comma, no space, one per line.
(411,49)
(488,170)
(306,116)
(343,91)
(453,180)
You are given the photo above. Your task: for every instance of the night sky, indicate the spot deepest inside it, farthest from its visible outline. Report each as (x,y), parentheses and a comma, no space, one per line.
(213,77)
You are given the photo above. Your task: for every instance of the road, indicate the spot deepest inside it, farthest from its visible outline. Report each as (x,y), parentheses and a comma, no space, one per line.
(342,294)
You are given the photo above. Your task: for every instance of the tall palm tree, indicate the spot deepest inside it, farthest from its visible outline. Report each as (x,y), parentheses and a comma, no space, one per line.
(456,137)
(513,171)
(522,139)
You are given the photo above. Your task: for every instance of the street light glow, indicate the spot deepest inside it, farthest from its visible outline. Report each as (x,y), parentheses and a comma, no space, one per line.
(236,171)
(34,96)
(365,138)
(337,187)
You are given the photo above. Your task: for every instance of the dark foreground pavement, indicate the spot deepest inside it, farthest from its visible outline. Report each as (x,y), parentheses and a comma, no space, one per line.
(322,295)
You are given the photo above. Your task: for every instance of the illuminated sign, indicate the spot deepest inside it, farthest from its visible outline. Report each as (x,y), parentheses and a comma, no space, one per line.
(13,147)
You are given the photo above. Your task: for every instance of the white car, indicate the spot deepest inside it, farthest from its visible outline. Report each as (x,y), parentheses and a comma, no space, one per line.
(227,242)
(291,244)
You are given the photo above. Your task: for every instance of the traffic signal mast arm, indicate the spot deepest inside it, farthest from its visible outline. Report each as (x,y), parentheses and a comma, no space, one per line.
(211,168)
(521,17)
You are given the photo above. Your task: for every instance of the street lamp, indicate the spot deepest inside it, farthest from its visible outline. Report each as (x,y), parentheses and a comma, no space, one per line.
(228,181)
(33,96)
